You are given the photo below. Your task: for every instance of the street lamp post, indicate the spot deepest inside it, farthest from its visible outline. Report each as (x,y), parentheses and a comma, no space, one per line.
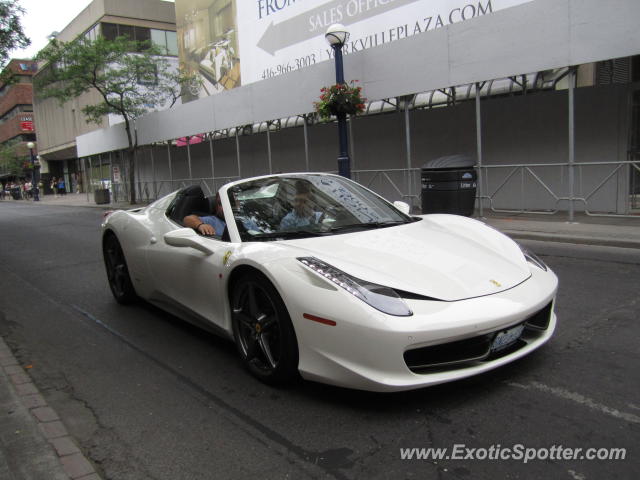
(34,176)
(337,35)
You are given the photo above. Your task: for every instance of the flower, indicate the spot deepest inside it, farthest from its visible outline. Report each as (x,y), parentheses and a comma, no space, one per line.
(340,98)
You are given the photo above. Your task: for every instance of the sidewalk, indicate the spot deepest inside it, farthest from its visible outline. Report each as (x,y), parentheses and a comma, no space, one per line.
(74,200)
(34,443)
(585,230)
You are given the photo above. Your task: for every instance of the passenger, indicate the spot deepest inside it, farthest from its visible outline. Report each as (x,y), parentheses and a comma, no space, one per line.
(302,213)
(209,225)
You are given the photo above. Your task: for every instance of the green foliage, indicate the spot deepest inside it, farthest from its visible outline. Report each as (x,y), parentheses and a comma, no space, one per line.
(340,98)
(7,77)
(11,34)
(10,161)
(131,77)
(130,84)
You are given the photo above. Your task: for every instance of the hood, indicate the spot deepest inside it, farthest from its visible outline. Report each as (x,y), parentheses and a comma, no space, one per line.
(447,257)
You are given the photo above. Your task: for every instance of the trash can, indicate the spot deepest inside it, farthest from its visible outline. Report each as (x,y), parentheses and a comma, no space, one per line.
(102,196)
(449,185)
(15,193)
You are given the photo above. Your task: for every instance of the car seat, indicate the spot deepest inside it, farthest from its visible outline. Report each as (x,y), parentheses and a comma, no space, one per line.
(190,201)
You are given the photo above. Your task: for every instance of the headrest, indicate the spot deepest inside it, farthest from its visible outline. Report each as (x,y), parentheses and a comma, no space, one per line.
(192,191)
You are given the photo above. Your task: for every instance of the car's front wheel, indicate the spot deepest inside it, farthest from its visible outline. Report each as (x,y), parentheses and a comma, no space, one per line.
(263,331)
(117,271)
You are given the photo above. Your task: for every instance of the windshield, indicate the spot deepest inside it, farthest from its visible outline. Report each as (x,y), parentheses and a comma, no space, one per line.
(300,206)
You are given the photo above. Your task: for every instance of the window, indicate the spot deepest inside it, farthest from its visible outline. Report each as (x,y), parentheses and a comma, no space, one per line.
(159,39)
(127,31)
(165,40)
(92,33)
(109,31)
(143,35)
(18,109)
(172,43)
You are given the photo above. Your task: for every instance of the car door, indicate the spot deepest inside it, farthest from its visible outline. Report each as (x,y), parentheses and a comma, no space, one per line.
(188,279)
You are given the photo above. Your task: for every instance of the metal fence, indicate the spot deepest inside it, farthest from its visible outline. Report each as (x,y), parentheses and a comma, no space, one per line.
(522,179)
(501,188)
(615,180)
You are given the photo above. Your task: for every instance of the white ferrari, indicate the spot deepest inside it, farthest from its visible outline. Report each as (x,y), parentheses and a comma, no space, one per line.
(315,275)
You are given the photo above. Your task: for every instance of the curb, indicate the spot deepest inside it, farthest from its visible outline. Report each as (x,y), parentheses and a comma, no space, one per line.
(577,239)
(75,465)
(106,206)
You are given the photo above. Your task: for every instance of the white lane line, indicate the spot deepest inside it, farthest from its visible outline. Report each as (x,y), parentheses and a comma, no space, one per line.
(576,476)
(578,398)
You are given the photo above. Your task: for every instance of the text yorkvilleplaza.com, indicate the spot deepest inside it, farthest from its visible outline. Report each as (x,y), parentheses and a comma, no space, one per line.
(517,452)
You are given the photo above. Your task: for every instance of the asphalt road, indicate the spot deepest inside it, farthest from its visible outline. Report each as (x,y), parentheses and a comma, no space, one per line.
(150,397)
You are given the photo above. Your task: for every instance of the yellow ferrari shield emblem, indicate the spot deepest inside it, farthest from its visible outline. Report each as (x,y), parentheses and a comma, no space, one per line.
(496,283)
(225,259)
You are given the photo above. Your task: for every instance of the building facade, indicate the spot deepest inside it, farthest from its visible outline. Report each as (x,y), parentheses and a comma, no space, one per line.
(59,125)
(17,126)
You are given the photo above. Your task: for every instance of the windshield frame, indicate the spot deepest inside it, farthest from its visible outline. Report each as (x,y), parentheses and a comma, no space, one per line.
(238,236)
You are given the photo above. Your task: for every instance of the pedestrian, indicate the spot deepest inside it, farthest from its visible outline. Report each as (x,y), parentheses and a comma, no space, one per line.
(62,190)
(54,186)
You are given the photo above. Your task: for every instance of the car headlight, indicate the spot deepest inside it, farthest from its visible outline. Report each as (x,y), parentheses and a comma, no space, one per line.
(379,297)
(533,258)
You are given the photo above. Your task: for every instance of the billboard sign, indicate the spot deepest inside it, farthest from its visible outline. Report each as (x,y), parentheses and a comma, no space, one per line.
(231,42)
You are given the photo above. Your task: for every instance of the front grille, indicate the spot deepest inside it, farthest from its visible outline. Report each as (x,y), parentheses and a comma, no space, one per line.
(474,350)
(447,354)
(540,320)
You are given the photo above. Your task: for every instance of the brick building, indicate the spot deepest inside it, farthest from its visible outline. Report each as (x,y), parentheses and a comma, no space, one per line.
(17,125)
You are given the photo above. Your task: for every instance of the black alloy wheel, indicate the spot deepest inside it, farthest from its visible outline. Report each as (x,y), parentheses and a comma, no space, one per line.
(117,271)
(263,331)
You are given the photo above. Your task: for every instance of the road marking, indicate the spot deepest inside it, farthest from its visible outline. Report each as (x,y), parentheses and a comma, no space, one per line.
(576,476)
(578,398)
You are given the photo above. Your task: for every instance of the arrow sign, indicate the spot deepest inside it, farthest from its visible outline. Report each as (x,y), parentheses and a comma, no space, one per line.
(297,29)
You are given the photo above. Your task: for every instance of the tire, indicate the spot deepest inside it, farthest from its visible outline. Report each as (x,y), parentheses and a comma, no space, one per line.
(117,271)
(263,332)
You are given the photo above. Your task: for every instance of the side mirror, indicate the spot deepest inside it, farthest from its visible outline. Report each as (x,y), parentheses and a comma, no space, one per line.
(186,237)
(402,206)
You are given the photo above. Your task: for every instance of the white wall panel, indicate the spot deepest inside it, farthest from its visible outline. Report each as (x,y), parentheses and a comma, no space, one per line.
(99,141)
(539,35)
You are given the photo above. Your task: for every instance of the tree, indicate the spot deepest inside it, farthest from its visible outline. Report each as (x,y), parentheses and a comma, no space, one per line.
(11,33)
(10,161)
(131,77)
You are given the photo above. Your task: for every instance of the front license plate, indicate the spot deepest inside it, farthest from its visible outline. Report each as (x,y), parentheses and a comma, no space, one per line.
(506,338)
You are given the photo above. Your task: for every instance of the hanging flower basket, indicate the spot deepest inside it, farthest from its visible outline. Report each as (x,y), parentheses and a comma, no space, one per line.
(340,98)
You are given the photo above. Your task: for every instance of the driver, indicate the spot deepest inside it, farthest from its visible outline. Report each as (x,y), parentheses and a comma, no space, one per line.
(208,225)
(302,213)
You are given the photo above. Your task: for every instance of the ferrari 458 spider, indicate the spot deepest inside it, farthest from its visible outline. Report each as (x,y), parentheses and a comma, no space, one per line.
(315,275)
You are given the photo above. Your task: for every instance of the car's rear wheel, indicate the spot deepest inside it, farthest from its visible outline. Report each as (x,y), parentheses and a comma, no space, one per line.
(117,271)
(263,331)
